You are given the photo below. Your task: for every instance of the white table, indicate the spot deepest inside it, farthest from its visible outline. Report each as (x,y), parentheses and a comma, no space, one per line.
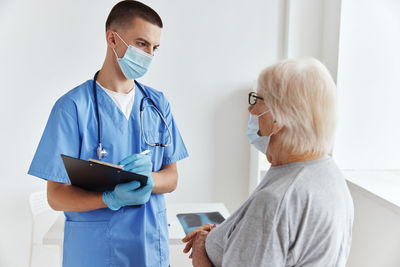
(55,235)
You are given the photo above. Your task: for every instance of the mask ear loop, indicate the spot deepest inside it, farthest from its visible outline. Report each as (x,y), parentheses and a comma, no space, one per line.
(122,41)
(258,116)
(115,54)
(263,114)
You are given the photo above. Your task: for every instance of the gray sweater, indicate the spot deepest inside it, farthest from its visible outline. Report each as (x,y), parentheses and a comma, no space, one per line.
(301,214)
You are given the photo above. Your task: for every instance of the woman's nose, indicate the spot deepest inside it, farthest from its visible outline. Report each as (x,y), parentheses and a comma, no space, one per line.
(251,108)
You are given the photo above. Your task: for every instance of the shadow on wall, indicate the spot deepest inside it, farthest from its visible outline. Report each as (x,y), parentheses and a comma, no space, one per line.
(231,148)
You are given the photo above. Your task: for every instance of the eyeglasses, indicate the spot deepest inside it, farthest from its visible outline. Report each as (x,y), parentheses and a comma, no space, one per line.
(253,98)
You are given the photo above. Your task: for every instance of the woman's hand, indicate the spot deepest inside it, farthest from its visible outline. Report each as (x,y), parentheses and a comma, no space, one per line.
(189,238)
(199,254)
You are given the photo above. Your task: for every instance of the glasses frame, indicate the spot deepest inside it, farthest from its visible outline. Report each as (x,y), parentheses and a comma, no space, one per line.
(253,95)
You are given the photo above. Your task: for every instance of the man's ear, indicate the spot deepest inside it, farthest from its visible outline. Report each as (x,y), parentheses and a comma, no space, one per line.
(110,38)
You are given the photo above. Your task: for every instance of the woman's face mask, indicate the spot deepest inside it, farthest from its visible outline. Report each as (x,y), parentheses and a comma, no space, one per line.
(259,142)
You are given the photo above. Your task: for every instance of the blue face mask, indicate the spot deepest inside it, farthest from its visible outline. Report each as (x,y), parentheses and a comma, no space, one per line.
(259,142)
(135,62)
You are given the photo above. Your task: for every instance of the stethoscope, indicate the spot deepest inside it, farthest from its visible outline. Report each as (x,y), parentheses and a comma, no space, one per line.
(101,151)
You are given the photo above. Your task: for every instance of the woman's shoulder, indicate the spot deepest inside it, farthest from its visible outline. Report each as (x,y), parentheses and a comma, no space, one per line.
(319,179)
(297,181)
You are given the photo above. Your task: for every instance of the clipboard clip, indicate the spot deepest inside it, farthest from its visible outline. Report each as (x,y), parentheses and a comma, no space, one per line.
(106,164)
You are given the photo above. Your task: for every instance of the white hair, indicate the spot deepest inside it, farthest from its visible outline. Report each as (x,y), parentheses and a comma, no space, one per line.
(302,98)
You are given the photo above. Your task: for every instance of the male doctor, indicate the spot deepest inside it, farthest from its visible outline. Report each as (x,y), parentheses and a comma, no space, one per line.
(126,226)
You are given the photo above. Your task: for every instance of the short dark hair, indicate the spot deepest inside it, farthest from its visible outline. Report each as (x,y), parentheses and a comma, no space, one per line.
(122,14)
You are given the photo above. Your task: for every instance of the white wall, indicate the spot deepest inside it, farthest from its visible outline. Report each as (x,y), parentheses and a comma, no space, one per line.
(369,128)
(211,52)
(313,30)
(368,83)
(47,48)
(310,28)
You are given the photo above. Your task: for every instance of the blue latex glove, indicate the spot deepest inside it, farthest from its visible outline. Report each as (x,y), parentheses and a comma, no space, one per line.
(129,193)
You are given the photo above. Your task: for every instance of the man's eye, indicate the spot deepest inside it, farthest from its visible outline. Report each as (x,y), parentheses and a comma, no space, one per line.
(141,44)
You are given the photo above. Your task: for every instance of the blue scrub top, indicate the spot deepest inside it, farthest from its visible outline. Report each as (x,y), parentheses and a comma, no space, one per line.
(131,236)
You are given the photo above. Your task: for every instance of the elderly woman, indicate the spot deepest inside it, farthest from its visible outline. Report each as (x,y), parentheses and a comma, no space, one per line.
(301,213)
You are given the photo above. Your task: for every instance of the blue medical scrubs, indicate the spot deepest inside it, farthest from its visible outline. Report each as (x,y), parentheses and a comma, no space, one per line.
(133,235)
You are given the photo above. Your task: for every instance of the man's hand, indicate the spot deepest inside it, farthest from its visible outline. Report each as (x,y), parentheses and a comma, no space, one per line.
(137,163)
(129,193)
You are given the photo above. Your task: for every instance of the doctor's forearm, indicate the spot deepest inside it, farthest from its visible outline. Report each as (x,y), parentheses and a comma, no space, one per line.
(65,197)
(165,180)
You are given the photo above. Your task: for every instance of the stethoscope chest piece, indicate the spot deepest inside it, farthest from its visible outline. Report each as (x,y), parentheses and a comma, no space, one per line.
(101,152)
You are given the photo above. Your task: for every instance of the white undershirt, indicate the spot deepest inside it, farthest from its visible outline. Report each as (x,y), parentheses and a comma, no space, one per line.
(123,101)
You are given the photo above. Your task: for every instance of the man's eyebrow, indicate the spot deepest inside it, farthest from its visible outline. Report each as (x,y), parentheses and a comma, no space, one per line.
(145,41)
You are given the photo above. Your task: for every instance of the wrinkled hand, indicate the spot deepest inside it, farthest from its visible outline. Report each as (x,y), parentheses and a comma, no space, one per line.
(199,254)
(189,238)
(129,193)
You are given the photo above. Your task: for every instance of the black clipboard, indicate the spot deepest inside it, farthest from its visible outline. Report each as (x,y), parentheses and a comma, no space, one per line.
(98,176)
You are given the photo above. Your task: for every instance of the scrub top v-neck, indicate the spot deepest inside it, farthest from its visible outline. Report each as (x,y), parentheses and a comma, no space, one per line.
(123,101)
